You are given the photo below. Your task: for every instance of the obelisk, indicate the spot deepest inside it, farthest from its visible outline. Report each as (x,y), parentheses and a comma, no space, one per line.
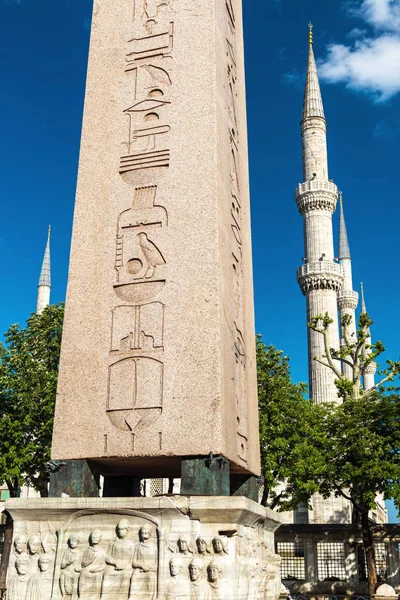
(158,357)
(158,371)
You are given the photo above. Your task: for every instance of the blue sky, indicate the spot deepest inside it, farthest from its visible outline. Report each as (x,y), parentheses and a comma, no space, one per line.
(43,54)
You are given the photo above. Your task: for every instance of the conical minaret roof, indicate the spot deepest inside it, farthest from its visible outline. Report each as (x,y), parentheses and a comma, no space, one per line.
(363,305)
(344,248)
(45,275)
(313,106)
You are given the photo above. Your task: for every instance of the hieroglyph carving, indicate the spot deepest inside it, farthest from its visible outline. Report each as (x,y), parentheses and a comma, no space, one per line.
(148,61)
(136,368)
(136,377)
(236,241)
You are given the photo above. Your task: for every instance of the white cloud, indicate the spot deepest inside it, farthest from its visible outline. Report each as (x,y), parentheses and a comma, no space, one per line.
(371,63)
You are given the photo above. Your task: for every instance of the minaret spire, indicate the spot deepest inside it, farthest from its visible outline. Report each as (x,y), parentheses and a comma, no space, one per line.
(313,106)
(320,278)
(44,286)
(363,305)
(348,298)
(344,248)
(369,374)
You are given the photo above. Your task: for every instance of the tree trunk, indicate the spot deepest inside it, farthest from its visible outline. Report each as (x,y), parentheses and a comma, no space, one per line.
(5,557)
(368,542)
(264,499)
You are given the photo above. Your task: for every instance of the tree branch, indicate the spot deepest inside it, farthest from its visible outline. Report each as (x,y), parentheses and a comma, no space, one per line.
(346,496)
(329,356)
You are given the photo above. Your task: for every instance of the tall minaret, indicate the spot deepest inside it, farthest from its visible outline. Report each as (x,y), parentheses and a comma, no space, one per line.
(369,376)
(348,298)
(320,278)
(44,286)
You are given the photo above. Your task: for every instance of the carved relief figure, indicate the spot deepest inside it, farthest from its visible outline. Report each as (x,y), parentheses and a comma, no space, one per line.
(199,587)
(34,544)
(183,546)
(20,544)
(221,558)
(18,583)
(153,256)
(178,587)
(34,547)
(93,565)
(70,569)
(218,586)
(145,564)
(203,549)
(40,584)
(118,572)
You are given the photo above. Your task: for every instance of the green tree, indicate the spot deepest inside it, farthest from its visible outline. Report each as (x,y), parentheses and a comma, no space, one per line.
(28,380)
(291,433)
(361,452)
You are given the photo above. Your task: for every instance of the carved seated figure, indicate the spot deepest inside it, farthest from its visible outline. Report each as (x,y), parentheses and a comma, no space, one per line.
(119,558)
(18,582)
(70,569)
(145,564)
(40,584)
(178,587)
(199,587)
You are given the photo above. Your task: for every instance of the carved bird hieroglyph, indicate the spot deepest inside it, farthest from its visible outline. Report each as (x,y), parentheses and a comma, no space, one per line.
(153,256)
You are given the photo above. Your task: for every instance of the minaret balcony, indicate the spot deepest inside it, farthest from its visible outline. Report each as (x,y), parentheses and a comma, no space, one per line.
(321,275)
(316,194)
(348,300)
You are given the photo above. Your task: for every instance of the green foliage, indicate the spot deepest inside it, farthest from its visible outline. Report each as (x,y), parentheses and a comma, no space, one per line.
(362,457)
(291,432)
(28,380)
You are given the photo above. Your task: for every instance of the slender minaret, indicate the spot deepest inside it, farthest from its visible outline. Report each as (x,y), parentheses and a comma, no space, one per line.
(369,375)
(44,286)
(348,298)
(320,277)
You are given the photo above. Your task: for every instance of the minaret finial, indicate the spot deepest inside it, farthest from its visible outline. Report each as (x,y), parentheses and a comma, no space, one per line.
(341,198)
(310,33)
(49,232)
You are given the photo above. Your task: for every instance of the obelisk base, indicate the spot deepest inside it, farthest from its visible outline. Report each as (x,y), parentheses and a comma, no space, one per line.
(143,548)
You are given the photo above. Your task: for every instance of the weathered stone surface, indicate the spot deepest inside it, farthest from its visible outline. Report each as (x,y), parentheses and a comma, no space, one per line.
(158,355)
(386,591)
(144,548)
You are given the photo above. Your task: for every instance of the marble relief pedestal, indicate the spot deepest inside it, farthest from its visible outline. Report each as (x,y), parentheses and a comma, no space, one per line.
(165,548)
